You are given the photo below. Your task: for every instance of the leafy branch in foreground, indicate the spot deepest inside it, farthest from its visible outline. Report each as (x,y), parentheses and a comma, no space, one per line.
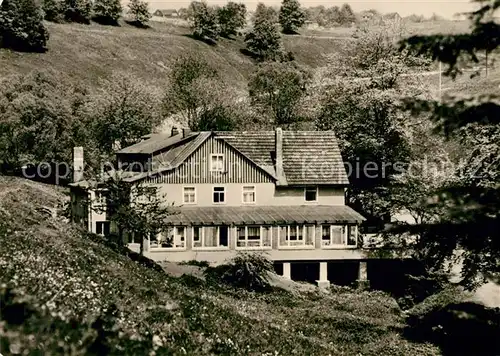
(467,229)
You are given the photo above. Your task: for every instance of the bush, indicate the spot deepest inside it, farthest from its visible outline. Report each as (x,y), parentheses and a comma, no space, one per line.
(203,264)
(457,327)
(140,13)
(247,271)
(21,26)
(53,10)
(79,11)
(204,21)
(107,12)
(420,287)
(232,17)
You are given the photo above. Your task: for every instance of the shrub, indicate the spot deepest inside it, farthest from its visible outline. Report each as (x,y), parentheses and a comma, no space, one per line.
(204,21)
(140,13)
(53,10)
(232,17)
(79,11)
(21,26)
(107,12)
(457,327)
(203,264)
(248,271)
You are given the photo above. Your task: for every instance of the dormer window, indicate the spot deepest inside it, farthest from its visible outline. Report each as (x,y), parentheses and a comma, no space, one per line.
(311,193)
(217,163)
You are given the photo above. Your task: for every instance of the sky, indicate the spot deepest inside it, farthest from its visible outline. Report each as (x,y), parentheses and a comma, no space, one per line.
(445,8)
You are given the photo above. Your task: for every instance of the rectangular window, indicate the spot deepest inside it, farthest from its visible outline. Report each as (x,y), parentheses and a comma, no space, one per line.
(197,236)
(254,237)
(172,238)
(219,195)
(311,193)
(339,235)
(217,163)
(296,236)
(102,228)
(210,236)
(189,195)
(248,194)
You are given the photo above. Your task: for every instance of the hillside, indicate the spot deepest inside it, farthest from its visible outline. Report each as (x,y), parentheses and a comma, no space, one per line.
(69,279)
(86,53)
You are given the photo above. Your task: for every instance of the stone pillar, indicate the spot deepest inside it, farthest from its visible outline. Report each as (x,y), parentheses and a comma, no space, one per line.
(287,272)
(363,282)
(323,281)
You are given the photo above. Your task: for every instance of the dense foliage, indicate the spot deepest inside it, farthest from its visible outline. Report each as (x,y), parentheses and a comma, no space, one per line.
(291,16)
(232,18)
(21,26)
(140,13)
(41,119)
(107,11)
(375,135)
(53,10)
(248,271)
(264,40)
(122,111)
(204,21)
(79,11)
(196,92)
(469,221)
(137,210)
(277,90)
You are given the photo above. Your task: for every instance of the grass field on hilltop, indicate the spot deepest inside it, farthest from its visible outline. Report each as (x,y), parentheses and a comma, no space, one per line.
(64,274)
(85,53)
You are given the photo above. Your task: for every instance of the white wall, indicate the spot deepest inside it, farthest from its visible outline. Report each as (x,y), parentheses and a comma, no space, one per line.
(266,195)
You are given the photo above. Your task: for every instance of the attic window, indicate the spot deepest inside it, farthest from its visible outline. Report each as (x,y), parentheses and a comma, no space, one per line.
(311,193)
(217,163)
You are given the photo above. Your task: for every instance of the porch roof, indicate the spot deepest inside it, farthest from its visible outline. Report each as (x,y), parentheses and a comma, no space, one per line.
(264,215)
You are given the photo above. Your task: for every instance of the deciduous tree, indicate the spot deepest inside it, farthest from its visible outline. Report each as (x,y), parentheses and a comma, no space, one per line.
(140,12)
(277,89)
(107,11)
(123,110)
(136,210)
(470,222)
(232,18)
(204,21)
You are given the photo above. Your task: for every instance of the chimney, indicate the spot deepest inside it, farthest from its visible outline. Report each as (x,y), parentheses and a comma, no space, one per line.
(174,131)
(77,164)
(279,155)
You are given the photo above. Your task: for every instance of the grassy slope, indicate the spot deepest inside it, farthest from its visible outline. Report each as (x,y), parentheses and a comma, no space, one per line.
(67,274)
(86,53)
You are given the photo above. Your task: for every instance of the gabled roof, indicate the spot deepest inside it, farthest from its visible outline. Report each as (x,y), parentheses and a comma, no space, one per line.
(309,157)
(156,142)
